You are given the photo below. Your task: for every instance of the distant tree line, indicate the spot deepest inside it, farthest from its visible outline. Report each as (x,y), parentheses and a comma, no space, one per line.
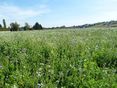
(16,27)
(99,24)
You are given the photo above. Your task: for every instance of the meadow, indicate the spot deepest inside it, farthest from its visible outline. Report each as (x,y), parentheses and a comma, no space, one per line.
(66,58)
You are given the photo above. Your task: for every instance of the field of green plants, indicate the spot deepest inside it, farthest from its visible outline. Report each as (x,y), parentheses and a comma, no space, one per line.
(66,58)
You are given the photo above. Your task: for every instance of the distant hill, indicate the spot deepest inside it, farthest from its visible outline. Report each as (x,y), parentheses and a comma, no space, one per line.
(99,24)
(95,25)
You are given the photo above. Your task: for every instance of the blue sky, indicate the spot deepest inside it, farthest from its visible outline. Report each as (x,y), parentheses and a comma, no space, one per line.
(58,12)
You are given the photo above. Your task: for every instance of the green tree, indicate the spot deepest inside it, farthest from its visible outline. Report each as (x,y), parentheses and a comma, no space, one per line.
(0,26)
(4,23)
(27,26)
(14,26)
(37,26)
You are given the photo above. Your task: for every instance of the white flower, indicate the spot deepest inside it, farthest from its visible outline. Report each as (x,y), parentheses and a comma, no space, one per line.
(0,66)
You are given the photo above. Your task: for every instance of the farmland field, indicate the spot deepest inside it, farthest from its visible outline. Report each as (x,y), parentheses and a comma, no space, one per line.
(71,58)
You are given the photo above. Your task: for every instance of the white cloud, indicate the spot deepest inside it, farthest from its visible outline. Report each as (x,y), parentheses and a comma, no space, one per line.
(15,13)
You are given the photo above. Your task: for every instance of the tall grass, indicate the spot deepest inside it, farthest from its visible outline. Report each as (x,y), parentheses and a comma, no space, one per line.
(74,58)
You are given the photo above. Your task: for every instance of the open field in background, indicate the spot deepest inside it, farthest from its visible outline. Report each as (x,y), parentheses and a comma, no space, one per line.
(72,58)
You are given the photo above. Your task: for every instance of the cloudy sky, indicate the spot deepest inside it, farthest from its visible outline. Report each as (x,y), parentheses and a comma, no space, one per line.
(58,12)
